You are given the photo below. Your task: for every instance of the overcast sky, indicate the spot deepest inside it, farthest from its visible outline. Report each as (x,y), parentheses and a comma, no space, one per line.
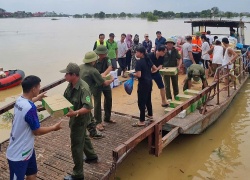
(133,6)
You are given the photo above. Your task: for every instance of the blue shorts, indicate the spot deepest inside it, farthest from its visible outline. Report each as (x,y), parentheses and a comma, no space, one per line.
(18,169)
(158,80)
(187,63)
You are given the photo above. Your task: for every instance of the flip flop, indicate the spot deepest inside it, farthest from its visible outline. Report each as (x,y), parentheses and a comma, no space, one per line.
(138,125)
(100,128)
(164,105)
(110,121)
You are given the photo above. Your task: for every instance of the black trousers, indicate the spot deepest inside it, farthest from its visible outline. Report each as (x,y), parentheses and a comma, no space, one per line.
(144,99)
(128,59)
(197,57)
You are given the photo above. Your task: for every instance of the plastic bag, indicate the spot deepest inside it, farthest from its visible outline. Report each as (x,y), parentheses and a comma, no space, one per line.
(128,85)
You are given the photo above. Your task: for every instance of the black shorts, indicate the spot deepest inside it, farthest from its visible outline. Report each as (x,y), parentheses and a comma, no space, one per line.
(206,63)
(122,63)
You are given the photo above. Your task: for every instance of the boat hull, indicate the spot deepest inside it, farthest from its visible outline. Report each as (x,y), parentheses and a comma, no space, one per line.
(13,78)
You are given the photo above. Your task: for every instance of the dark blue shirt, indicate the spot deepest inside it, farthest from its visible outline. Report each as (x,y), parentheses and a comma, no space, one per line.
(147,45)
(155,61)
(159,42)
(144,66)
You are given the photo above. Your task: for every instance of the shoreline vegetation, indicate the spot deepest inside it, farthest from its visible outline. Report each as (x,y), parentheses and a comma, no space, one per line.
(150,16)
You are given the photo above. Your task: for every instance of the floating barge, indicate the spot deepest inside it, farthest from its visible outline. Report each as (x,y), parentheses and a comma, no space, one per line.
(53,150)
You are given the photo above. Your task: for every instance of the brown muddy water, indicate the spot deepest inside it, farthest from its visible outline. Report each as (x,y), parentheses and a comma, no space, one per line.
(42,47)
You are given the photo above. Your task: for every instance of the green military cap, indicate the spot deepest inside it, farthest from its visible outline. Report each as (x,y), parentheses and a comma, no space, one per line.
(196,75)
(171,40)
(71,68)
(101,49)
(198,33)
(90,56)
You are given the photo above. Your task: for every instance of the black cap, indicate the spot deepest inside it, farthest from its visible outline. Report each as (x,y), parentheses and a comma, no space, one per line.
(158,32)
(111,35)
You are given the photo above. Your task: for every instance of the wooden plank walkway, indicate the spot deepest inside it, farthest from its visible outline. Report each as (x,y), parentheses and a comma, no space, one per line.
(54,155)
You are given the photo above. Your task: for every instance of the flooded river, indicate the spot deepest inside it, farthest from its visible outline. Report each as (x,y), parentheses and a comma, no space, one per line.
(42,47)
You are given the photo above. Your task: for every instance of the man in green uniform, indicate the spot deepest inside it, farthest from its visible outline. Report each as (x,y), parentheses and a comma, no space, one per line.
(96,83)
(172,58)
(196,72)
(104,66)
(79,95)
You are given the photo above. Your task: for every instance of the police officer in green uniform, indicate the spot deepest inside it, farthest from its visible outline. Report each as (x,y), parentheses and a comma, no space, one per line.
(96,83)
(195,72)
(104,66)
(172,58)
(79,95)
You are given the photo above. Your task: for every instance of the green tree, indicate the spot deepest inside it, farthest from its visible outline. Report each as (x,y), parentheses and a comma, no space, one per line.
(101,15)
(152,17)
(114,15)
(122,15)
(130,15)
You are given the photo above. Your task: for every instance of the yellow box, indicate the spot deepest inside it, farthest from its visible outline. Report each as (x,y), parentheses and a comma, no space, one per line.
(191,92)
(183,97)
(56,105)
(107,77)
(167,110)
(169,71)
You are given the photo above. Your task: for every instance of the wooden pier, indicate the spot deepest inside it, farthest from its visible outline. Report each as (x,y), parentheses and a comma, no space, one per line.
(53,149)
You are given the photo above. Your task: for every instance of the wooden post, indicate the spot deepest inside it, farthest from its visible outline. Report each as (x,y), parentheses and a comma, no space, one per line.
(151,144)
(158,139)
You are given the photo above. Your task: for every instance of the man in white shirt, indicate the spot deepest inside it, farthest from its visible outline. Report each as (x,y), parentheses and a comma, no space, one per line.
(122,50)
(20,152)
(208,35)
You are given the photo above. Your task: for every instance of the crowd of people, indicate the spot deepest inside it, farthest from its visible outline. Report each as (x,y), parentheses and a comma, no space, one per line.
(89,80)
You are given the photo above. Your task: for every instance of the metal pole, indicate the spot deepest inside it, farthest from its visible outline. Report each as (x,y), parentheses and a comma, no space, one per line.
(228,87)
(218,86)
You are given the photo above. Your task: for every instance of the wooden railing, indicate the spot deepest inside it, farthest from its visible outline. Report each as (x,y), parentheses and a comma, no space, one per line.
(153,132)
(46,88)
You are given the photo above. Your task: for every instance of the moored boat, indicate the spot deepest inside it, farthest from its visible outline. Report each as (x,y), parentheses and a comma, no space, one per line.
(12,79)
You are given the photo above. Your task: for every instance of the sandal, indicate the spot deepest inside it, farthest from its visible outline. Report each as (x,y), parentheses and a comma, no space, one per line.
(150,117)
(111,121)
(99,127)
(138,125)
(164,105)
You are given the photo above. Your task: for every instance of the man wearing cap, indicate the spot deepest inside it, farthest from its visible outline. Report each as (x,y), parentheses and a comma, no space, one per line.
(172,58)
(95,81)
(159,40)
(196,50)
(147,43)
(100,41)
(112,50)
(103,65)
(196,72)
(79,95)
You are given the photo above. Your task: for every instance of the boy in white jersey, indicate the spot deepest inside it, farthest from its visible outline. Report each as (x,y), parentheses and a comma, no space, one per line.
(20,152)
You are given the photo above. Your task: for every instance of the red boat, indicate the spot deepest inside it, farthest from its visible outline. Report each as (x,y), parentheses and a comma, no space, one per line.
(13,78)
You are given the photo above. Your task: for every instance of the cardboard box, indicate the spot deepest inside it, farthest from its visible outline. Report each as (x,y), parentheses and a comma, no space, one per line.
(114,74)
(169,71)
(107,77)
(112,85)
(56,105)
(183,97)
(191,92)
(174,104)
(128,72)
(116,82)
(167,110)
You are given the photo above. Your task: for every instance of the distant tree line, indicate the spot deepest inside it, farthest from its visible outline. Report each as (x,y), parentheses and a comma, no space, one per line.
(213,12)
